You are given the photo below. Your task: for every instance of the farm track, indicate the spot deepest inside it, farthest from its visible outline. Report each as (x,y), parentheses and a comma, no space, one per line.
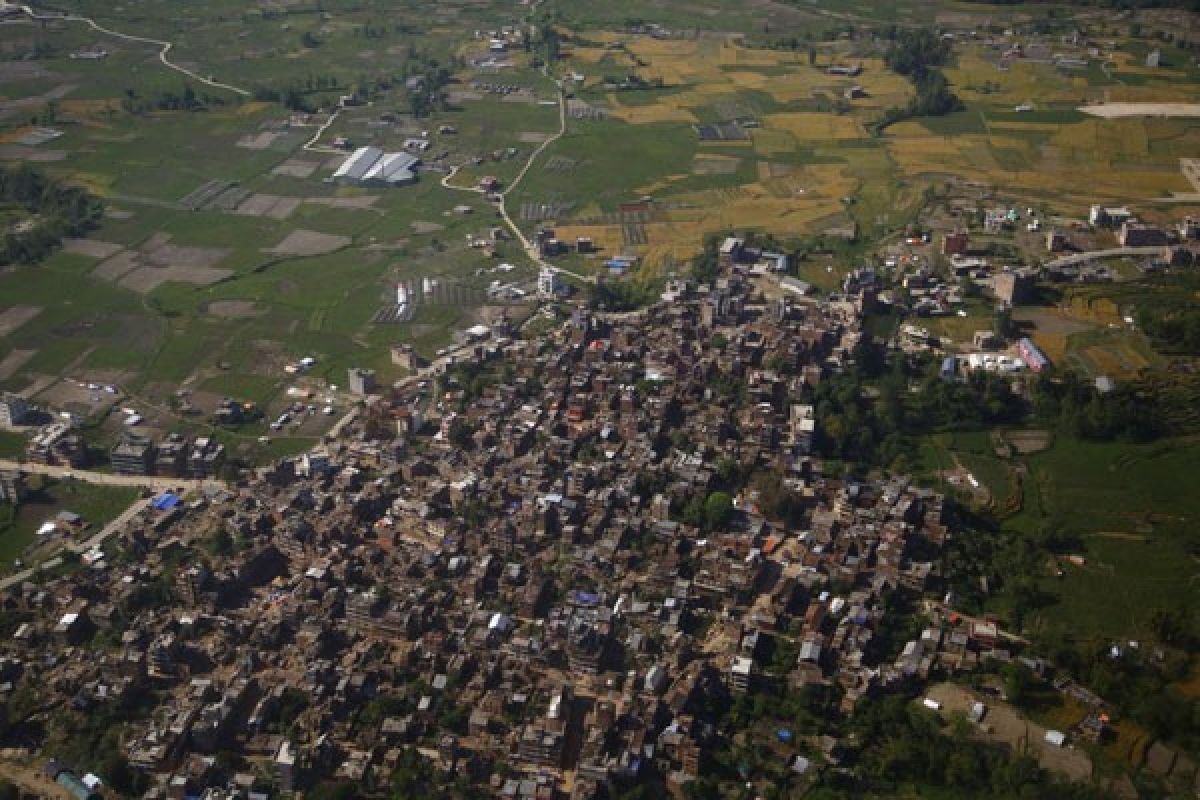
(312,146)
(164,46)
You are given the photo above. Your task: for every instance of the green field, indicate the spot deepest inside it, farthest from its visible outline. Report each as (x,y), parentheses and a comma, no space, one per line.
(97,505)
(1130,508)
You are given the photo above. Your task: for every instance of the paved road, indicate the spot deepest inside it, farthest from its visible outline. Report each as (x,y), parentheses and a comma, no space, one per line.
(164,46)
(108,479)
(1116,252)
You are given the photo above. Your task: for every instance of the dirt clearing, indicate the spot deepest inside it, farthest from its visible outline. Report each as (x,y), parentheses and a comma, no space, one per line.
(309,243)
(258,141)
(16,316)
(361,201)
(269,205)
(234,309)
(296,168)
(1117,110)
(13,362)
(92,248)
(1004,725)
(146,279)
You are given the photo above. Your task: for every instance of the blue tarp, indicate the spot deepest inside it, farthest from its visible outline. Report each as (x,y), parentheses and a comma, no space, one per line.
(784,735)
(586,598)
(165,501)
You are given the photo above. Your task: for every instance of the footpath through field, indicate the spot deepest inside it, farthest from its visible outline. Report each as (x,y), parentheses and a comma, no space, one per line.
(164,46)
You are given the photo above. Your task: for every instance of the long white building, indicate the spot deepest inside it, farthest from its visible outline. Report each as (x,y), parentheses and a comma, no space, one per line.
(372,166)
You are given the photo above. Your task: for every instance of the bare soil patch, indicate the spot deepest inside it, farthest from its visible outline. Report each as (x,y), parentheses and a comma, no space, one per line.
(16,316)
(296,168)
(93,248)
(361,201)
(1028,442)
(420,227)
(1004,725)
(170,255)
(309,243)
(234,309)
(20,152)
(258,141)
(1117,110)
(14,361)
(147,279)
(269,205)
(116,267)
(533,137)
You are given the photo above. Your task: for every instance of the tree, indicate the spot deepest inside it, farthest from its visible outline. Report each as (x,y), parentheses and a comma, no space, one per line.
(717,508)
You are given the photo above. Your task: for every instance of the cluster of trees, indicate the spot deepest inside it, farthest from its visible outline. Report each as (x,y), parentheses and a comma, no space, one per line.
(905,744)
(622,295)
(1174,327)
(872,428)
(1077,409)
(60,210)
(916,54)
(431,94)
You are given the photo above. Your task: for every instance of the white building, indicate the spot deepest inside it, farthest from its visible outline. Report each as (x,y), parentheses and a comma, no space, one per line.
(548,283)
(372,166)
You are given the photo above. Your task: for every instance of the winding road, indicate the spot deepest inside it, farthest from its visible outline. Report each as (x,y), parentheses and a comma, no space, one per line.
(164,47)
(531,249)
(312,145)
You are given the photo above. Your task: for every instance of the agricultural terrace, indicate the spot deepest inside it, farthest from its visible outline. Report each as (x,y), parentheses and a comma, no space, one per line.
(225,252)
(722,132)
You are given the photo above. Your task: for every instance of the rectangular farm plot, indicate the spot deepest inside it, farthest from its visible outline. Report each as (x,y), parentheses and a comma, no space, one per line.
(309,243)
(157,261)
(816,126)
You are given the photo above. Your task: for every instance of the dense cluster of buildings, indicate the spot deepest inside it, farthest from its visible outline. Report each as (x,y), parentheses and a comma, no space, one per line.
(508,578)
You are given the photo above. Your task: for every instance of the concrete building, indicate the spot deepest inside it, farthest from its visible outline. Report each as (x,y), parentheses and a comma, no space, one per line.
(1134,234)
(404,356)
(1013,288)
(956,244)
(133,455)
(57,443)
(370,166)
(13,410)
(361,381)
(548,283)
(12,487)
(205,458)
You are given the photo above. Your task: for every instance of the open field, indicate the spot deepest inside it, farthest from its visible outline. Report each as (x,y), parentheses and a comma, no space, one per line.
(225,251)
(97,505)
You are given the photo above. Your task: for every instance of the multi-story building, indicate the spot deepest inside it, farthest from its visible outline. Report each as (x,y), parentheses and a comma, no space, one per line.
(13,410)
(133,455)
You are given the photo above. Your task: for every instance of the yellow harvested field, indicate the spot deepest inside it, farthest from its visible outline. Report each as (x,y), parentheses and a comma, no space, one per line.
(770,142)
(1115,359)
(650,188)
(748,80)
(811,125)
(607,238)
(655,112)
(977,80)
(908,129)
(253,107)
